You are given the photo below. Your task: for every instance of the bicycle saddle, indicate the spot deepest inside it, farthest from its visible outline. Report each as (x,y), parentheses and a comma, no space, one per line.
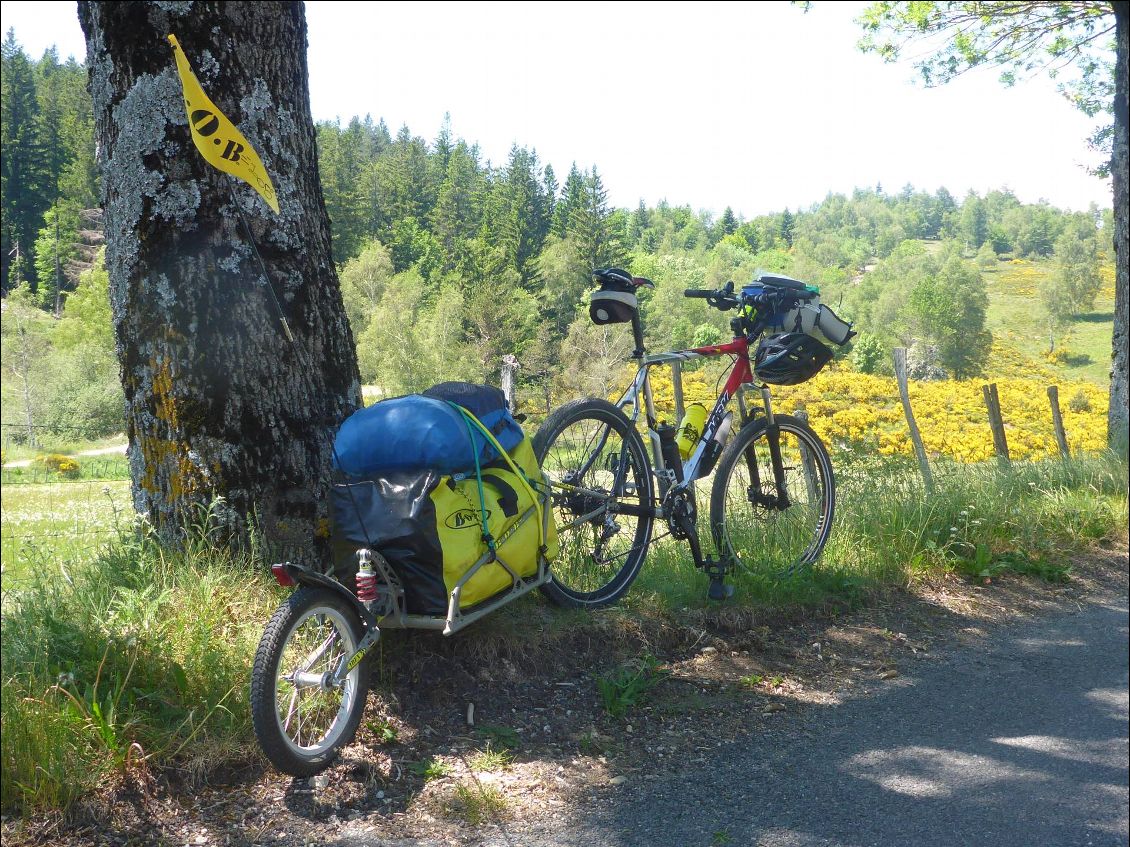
(619,279)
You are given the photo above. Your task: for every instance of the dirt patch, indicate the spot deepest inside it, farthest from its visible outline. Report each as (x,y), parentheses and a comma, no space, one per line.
(466,735)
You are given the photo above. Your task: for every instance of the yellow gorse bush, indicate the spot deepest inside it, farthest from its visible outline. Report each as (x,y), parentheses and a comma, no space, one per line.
(849,409)
(62,465)
(1018,277)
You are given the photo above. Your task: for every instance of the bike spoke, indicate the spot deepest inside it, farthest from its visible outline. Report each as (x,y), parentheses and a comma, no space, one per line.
(759,529)
(318,653)
(592,459)
(310,713)
(290,710)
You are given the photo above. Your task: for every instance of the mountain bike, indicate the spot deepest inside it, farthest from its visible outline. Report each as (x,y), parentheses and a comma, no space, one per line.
(772,498)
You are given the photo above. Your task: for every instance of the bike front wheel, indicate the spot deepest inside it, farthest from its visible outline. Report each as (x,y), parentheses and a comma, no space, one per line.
(600,482)
(301,718)
(753,524)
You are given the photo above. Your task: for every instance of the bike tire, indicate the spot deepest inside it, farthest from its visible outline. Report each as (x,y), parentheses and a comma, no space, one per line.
(597,559)
(763,538)
(310,616)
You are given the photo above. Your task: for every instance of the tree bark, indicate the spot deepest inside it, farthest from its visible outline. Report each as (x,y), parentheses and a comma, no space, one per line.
(1117,418)
(219,404)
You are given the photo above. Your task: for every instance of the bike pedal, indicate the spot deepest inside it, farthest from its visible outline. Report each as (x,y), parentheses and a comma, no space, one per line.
(719,590)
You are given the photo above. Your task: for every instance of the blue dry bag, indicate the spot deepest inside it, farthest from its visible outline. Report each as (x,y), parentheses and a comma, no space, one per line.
(422,432)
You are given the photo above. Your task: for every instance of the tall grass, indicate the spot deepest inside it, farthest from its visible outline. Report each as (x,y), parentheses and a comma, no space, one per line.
(141,656)
(1033,512)
(980,520)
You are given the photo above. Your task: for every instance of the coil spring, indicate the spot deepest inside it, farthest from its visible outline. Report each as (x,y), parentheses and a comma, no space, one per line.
(366,587)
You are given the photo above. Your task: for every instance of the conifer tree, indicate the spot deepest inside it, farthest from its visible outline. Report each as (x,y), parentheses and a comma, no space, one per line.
(589,227)
(458,210)
(22,162)
(785,230)
(572,196)
(728,223)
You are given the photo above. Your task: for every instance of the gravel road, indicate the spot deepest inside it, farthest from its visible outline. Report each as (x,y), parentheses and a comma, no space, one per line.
(1018,737)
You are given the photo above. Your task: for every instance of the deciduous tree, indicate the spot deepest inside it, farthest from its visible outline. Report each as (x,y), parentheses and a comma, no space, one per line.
(219,404)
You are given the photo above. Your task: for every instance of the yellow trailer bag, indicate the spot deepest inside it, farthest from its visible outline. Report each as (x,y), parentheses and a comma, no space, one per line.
(428,526)
(512,522)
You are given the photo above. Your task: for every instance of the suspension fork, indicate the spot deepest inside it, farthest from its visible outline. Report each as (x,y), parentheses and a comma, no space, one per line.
(773,436)
(773,439)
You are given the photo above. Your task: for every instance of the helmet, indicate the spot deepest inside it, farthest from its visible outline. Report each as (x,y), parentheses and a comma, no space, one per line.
(615,301)
(789,357)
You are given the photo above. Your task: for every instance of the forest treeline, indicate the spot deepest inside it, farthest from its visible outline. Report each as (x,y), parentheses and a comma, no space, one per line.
(47,169)
(449,261)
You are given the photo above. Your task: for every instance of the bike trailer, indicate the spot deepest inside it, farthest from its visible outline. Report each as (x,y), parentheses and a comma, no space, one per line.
(454,540)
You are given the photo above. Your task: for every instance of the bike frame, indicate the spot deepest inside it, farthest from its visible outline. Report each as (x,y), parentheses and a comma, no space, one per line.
(740,377)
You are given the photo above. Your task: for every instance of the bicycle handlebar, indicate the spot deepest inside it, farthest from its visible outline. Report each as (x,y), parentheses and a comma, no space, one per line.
(722,298)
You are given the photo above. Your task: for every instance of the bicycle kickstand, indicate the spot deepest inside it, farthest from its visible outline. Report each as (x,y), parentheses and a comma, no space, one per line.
(716,569)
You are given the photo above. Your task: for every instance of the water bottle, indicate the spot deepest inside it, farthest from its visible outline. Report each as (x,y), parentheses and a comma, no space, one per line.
(690,428)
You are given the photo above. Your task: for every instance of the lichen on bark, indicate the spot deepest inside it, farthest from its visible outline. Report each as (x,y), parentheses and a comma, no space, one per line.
(219,405)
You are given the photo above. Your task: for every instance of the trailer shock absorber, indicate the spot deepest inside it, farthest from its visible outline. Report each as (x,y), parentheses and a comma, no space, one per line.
(366,578)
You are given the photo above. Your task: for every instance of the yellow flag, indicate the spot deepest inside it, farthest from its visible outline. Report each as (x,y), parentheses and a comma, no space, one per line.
(219,142)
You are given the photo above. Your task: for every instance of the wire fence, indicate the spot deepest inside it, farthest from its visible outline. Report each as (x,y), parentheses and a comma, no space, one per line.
(44,526)
(18,434)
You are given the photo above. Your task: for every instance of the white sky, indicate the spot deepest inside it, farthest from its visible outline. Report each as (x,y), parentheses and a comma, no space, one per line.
(753,105)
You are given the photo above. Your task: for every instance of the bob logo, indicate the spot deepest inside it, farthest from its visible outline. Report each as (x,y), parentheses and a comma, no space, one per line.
(464,518)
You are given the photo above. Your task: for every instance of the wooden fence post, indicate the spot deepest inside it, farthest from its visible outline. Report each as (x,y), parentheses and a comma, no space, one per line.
(996,422)
(509,366)
(915,436)
(1057,421)
(677,386)
(806,461)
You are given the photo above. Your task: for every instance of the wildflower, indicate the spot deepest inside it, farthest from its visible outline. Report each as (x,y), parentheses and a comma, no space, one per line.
(65,679)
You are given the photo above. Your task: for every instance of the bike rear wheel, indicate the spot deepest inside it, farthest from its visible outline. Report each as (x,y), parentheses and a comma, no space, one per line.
(594,459)
(301,720)
(750,523)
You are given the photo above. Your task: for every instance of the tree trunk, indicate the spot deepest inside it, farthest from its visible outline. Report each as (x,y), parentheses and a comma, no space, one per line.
(219,404)
(1117,422)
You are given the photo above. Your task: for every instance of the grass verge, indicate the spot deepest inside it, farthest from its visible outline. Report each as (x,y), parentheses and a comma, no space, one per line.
(138,658)
(141,657)
(58,526)
(980,520)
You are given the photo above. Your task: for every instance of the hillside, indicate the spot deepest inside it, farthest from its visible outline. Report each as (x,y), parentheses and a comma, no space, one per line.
(1082,353)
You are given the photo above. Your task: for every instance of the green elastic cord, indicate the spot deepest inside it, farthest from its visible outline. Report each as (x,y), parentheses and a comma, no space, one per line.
(471,420)
(487,537)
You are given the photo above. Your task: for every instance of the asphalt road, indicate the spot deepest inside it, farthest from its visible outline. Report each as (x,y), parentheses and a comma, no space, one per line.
(1019,738)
